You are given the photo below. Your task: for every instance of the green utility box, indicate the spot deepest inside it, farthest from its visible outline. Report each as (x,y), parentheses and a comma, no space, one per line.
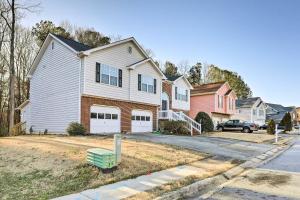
(102,158)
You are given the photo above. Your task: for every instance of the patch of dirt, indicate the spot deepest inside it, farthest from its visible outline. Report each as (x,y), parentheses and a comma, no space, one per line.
(271,179)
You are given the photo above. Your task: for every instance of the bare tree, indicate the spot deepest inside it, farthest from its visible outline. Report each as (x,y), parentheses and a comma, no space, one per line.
(183,67)
(8,12)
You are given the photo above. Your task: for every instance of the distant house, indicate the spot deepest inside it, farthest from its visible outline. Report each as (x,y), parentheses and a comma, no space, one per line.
(277,112)
(251,110)
(298,115)
(216,99)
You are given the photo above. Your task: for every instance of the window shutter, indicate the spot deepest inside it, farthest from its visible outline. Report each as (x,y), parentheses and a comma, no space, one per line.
(176,93)
(187,95)
(154,85)
(98,72)
(120,78)
(139,82)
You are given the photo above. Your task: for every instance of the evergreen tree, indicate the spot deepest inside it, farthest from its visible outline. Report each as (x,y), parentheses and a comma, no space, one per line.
(271,127)
(287,122)
(195,74)
(170,69)
(42,29)
(206,122)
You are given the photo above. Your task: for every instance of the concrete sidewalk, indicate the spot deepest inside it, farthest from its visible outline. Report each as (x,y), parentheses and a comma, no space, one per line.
(131,187)
(127,188)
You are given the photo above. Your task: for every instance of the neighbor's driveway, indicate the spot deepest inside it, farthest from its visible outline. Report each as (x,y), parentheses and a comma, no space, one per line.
(215,146)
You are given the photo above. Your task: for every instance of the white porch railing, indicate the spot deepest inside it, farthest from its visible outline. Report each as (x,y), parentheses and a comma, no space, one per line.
(191,124)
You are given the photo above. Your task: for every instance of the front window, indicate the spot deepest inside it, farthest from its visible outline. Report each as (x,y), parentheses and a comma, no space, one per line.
(254,111)
(147,84)
(109,75)
(182,94)
(261,112)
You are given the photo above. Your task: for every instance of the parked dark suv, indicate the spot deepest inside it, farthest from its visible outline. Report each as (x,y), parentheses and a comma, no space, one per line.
(237,125)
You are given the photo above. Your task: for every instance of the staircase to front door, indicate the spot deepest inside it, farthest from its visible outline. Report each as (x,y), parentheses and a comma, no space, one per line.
(191,124)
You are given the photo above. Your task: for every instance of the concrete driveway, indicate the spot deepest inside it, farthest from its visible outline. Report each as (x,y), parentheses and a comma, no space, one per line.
(216,146)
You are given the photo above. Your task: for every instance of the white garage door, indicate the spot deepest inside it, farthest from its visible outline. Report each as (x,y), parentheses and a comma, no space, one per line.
(141,121)
(105,119)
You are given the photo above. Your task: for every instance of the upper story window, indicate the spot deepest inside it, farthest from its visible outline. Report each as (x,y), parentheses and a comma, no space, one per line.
(261,112)
(108,75)
(220,101)
(254,112)
(181,94)
(146,84)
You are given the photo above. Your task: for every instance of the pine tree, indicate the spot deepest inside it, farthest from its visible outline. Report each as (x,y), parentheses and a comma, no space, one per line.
(195,74)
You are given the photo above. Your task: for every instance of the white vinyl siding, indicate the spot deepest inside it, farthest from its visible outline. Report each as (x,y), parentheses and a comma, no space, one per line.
(25,116)
(141,96)
(177,103)
(55,90)
(119,58)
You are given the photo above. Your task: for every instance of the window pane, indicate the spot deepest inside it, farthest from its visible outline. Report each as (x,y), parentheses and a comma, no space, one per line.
(94,115)
(114,116)
(104,69)
(138,118)
(100,115)
(147,118)
(143,118)
(107,116)
(113,80)
(144,87)
(150,88)
(113,71)
(105,78)
(133,117)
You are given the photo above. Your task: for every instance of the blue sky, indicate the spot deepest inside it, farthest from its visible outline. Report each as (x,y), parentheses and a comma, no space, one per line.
(259,39)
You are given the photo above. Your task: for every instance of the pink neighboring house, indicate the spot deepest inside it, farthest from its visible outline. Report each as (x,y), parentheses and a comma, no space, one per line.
(216,99)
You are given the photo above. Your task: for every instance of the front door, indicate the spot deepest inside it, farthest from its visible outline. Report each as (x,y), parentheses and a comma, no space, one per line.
(164,105)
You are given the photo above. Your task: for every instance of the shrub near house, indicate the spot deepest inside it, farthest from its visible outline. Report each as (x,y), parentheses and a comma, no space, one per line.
(205,121)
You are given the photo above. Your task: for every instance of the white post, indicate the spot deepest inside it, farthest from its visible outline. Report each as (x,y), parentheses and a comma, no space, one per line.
(276,133)
(117,148)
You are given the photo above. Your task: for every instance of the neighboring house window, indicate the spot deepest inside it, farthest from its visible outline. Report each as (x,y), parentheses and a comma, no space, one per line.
(146,84)
(232,104)
(181,94)
(261,112)
(108,75)
(220,101)
(254,111)
(229,102)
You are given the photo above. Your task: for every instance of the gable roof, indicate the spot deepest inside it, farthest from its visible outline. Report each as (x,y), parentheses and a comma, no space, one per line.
(207,88)
(134,65)
(77,46)
(277,107)
(246,103)
(172,78)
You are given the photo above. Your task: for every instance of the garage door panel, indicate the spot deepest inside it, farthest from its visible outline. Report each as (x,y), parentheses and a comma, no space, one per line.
(105,119)
(142,121)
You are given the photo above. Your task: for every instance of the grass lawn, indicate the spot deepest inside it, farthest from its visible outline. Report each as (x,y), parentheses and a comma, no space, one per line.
(43,167)
(257,136)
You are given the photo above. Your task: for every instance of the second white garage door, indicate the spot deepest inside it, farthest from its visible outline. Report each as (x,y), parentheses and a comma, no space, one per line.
(105,119)
(141,121)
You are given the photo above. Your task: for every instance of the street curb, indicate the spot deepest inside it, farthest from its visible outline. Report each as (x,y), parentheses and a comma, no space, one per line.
(207,187)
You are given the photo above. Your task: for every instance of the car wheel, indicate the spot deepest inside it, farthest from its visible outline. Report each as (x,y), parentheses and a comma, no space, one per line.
(221,129)
(246,130)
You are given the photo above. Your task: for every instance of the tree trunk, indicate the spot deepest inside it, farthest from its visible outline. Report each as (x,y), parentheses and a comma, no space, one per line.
(12,71)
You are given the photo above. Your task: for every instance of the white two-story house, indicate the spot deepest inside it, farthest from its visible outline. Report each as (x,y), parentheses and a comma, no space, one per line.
(111,88)
(251,110)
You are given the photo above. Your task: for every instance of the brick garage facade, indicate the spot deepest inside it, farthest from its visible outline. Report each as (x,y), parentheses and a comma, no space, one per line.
(125,107)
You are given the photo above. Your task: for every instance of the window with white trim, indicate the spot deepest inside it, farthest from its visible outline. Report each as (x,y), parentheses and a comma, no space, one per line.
(254,111)
(109,75)
(147,84)
(261,112)
(220,101)
(182,94)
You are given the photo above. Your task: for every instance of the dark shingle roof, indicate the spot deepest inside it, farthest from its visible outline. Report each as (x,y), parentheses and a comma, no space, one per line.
(246,103)
(173,78)
(277,107)
(77,46)
(207,88)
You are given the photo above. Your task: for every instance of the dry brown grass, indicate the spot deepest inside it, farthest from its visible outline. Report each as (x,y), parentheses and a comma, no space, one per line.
(42,167)
(257,137)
